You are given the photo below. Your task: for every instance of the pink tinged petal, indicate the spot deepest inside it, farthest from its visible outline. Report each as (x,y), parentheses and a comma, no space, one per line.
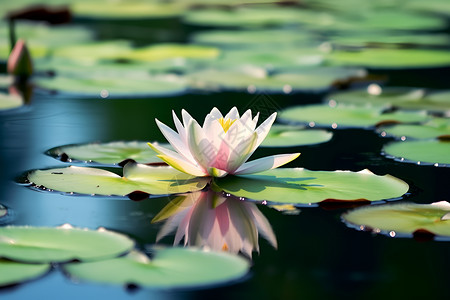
(244,226)
(214,115)
(233,114)
(201,148)
(173,138)
(264,129)
(262,224)
(183,228)
(171,225)
(240,154)
(186,118)
(201,223)
(177,161)
(181,130)
(265,163)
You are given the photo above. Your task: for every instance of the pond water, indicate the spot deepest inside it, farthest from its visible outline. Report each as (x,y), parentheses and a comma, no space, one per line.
(318,255)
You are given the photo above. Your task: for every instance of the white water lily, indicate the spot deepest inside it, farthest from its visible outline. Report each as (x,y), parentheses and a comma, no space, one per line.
(221,146)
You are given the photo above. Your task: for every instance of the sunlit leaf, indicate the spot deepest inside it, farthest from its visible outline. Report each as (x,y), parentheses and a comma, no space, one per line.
(405,218)
(153,180)
(14,272)
(426,152)
(435,128)
(342,116)
(173,51)
(107,153)
(65,243)
(290,136)
(301,186)
(168,268)
(408,98)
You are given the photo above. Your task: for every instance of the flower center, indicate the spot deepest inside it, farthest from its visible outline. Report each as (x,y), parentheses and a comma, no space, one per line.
(226,124)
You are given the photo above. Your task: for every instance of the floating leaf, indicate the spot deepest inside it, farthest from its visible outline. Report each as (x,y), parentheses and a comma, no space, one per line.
(168,268)
(405,218)
(435,128)
(108,153)
(421,152)
(126,9)
(379,58)
(160,180)
(173,51)
(110,86)
(14,272)
(290,136)
(65,243)
(342,116)
(257,79)
(301,186)
(10,101)
(408,98)
(262,38)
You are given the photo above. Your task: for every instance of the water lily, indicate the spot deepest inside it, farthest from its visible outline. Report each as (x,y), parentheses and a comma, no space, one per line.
(221,146)
(212,220)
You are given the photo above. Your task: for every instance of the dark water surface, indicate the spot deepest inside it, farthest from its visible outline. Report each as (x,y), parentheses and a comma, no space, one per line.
(318,255)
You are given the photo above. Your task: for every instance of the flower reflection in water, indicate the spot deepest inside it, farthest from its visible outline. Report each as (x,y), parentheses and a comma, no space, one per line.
(211,220)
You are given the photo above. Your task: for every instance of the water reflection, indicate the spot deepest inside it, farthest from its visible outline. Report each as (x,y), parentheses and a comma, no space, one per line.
(216,221)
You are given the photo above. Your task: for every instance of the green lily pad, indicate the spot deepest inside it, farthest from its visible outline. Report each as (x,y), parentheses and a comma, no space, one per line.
(403,219)
(10,101)
(14,272)
(426,152)
(108,153)
(341,116)
(389,39)
(408,98)
(126,9)
(439,7)
(173,51)
(168,268)
(161,180)
(129,84)
(244,17)
(61,244)
(380,58)
(291,136)
(301,186)
(257,79)
(262,38)
(435,128)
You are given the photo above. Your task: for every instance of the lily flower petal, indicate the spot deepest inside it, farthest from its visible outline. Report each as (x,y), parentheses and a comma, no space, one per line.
(266,163)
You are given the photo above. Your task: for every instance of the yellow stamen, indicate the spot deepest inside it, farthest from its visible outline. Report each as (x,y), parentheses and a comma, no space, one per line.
(226,124)
(225,247)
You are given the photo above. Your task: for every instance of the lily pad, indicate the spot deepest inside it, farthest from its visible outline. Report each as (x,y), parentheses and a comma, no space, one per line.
(291,136)
(168,268)
(153,180)
(126,9)
(344,116)
(14,272)
(173,51)
(108,153)
(10,101)
(408,98)
(257,79)
(262,38)
(301,186)
(61,244)
(129,84)
(435,128)
(403,219)
(426,152)
(380,58)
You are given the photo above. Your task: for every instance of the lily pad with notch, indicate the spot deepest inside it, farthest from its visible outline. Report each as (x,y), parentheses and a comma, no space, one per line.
(293,136)
(153,180)
(15,272)
(406,219)
(347,116)
(421,152)
(168,268)
(112,153)
(61,244)
(301,186)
